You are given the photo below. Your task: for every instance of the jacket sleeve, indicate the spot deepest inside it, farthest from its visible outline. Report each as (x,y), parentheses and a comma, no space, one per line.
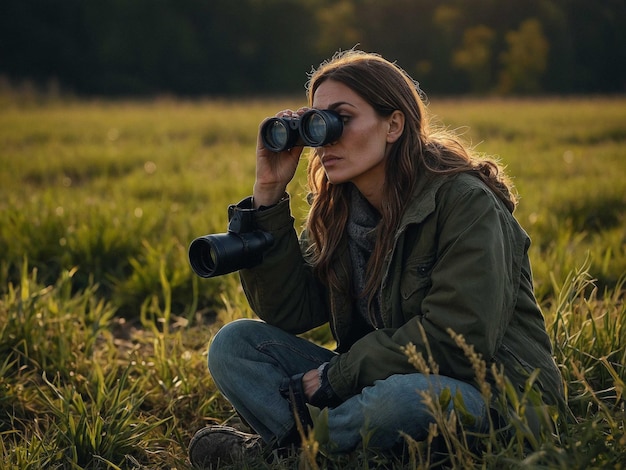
(474,279)
(282,290)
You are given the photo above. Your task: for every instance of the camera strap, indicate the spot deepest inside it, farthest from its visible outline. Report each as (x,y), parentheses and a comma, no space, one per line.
(241,217)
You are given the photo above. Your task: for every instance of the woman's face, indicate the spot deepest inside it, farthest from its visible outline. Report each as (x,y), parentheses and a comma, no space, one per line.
(360,153)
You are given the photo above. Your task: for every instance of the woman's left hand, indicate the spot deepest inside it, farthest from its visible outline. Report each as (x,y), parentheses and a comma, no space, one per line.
(311,383)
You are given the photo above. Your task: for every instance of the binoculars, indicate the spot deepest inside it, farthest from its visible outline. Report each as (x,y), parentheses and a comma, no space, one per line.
(315,128)
(241,247)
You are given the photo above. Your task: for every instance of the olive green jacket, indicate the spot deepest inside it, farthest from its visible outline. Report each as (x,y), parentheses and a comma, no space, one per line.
(459,262)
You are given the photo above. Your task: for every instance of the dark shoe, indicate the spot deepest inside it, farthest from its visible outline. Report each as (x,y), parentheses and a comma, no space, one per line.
(215,445)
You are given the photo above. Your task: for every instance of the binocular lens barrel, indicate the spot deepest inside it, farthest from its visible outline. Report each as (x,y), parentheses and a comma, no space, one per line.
(277,134)
(315,128)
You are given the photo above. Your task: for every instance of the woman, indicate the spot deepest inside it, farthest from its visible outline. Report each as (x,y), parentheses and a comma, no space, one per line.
(409,236)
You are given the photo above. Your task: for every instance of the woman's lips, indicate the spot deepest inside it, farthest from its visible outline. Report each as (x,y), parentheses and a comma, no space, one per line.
(330,160)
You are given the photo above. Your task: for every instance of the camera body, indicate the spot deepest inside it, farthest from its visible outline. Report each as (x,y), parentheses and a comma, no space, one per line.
(241,247)
(315,128)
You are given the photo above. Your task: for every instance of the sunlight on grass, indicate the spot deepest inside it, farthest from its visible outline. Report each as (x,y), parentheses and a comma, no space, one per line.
(104,328)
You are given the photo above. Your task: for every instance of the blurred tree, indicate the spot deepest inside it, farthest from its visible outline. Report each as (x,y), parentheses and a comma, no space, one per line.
(525,60)
(475,55)
(226,47)
(336,27)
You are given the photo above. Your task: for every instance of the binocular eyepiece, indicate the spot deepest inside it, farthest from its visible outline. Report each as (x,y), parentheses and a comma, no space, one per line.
(315,128)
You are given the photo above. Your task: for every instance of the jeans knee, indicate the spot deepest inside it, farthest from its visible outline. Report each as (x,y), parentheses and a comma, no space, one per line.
(400,397)
(228,342)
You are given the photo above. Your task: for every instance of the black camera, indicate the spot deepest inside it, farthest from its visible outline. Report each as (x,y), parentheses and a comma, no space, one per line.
(315,128)
(242,247)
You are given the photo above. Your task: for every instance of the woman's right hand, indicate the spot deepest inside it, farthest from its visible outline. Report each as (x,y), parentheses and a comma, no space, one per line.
(274,170)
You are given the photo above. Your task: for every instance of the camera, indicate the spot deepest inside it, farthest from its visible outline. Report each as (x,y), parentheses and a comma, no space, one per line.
(240,248)
(315,128)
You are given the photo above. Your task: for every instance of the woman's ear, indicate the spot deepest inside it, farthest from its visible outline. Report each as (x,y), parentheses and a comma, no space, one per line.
(396,126)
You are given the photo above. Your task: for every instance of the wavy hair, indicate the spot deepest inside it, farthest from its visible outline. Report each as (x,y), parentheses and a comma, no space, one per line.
(386,87)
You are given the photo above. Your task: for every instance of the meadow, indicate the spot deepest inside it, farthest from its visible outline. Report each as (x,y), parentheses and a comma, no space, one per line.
(104,327)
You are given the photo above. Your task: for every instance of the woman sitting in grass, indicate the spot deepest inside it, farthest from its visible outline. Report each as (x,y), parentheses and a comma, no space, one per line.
(410,245)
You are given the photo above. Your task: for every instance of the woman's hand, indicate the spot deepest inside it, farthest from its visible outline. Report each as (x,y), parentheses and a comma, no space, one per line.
(274,170)
(310,383)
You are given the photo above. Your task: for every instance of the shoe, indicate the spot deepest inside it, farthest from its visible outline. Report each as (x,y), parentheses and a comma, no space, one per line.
(218,444)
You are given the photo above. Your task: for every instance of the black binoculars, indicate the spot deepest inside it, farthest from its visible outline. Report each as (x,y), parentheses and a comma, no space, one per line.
(242,247)
(315,128)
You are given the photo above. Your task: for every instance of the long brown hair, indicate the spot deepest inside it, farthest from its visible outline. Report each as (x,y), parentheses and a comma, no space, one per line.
(387,88)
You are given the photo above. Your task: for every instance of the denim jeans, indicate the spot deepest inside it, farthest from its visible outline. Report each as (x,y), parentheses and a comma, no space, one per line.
(249,359)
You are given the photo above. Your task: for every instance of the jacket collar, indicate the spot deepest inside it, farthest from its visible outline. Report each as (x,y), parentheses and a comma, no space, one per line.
(422,202)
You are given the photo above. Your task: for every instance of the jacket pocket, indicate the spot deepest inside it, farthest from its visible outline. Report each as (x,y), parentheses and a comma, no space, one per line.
(416,278)
(515,367)
(520,361)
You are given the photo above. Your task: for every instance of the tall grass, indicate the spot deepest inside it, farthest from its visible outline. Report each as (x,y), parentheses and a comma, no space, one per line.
(104,329)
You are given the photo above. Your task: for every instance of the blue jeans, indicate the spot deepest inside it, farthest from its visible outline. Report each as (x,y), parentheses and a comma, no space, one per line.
(249,359)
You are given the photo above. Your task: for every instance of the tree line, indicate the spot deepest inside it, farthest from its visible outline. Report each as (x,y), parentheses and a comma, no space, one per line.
(252,47)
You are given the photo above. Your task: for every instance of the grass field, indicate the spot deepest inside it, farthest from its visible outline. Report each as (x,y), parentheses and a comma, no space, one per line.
(104,328)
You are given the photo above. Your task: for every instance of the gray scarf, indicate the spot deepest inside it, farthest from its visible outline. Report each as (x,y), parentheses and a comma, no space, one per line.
(361,230)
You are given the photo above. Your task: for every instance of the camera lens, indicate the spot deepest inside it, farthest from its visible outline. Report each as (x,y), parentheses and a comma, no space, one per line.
(319,128)
(202,255)
(207,258)
(223,253)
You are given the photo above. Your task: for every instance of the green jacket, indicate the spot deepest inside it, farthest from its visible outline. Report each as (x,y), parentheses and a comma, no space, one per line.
(460,261)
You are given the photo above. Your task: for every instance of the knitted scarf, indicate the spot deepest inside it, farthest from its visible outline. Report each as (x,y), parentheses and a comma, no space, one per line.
(361,231)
